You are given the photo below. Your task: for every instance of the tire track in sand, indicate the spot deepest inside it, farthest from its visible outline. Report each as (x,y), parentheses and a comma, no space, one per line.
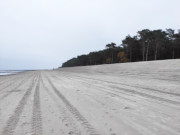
(11,82)
(135,86)
(37,119)
(10,92)
(14,119)
(143,94)
(67,118)
(127,90)
(89,129)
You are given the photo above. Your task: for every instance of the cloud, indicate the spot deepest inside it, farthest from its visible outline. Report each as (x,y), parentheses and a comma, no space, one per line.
(52,31)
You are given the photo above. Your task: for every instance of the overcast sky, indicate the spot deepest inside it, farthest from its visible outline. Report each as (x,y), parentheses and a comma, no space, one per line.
(42,34)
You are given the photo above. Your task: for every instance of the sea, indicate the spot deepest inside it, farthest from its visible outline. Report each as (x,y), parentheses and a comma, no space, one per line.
(10,72)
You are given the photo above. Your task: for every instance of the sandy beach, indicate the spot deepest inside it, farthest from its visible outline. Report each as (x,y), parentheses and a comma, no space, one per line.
(141,98)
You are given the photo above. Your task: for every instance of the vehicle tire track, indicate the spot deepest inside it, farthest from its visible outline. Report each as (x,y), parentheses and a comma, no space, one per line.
(67,117)
(147,95)
(8,85)
(37,119)
(135,86)
(11,82)
(90,130)
(141,94)
(135,92)
(9,93)
(14,119)
(7,78)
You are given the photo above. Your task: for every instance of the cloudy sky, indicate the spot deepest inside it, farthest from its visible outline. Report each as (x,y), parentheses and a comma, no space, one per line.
(42,34)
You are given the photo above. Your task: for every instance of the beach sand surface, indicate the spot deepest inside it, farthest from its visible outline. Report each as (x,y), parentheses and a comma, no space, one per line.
(141,98)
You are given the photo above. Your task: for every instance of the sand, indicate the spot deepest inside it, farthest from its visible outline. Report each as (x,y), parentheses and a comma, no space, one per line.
(141,98)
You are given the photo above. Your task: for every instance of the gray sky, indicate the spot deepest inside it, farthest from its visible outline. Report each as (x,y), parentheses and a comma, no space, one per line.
(41,34)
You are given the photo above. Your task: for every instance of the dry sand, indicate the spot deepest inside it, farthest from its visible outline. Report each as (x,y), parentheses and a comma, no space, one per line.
(140,98)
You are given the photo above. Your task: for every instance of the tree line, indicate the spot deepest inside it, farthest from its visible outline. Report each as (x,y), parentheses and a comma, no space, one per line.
(144,46)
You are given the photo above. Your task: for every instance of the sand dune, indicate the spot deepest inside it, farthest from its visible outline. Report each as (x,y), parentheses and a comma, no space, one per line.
(141,98)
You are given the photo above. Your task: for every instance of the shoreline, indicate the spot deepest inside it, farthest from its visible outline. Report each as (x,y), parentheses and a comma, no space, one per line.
(10,72)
